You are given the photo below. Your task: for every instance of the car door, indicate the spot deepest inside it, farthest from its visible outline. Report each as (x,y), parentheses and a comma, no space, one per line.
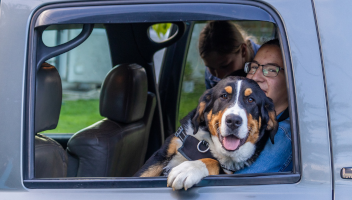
(334,28)
(297,32)
(306,80)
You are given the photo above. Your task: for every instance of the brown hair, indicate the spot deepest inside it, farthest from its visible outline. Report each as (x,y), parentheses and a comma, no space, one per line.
(223,37)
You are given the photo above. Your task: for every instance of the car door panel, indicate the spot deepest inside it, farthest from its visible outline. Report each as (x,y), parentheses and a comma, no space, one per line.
(309,95)
(334,29)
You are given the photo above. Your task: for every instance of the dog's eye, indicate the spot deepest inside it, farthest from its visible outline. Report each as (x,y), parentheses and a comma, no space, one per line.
(224,96)
(250,100)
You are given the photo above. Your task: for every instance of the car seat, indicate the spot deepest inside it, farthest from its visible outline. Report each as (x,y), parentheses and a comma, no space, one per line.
(115,146)
(50,158)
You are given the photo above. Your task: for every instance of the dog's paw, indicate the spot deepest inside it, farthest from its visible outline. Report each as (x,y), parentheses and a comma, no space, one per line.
(187,174)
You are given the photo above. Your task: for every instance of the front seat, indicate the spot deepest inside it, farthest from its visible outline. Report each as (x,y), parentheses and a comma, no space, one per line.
(50,158)
(115,146)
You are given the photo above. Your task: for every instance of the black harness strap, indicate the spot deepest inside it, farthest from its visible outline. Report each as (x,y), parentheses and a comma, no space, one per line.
(192,148)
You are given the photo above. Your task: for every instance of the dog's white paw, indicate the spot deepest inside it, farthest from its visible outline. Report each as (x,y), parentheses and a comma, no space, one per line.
(187,174)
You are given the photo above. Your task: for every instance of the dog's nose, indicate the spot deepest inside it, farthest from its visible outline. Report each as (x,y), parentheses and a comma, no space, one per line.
(233,121)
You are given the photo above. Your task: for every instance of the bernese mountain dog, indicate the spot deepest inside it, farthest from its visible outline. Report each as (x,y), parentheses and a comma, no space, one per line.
(226,133)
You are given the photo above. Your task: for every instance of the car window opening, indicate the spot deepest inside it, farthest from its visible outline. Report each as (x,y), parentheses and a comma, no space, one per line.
(108,103)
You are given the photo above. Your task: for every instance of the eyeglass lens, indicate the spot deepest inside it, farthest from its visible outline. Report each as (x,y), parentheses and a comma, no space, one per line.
(268,70)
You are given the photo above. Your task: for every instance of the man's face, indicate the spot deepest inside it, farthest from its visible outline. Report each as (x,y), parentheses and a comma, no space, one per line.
(222,65)
(274,87)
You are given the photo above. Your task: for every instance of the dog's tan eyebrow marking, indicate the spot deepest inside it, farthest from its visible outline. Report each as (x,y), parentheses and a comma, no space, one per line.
(228,89)
(248,92)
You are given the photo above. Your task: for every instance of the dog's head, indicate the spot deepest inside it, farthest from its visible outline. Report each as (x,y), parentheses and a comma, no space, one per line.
(236,112)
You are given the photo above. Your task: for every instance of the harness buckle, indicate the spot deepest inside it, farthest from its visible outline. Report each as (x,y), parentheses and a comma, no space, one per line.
(204,143)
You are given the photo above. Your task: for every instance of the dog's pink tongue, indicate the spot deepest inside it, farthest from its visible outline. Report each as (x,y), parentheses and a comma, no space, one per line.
(231,142)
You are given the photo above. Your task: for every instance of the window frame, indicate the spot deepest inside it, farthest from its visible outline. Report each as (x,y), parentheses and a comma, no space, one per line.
(137,182)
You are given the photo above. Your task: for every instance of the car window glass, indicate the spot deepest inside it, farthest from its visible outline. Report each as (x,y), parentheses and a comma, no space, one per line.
(82,71)
(84,68)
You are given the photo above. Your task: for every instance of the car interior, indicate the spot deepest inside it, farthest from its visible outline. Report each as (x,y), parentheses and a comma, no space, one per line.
(116,146)
(108,94)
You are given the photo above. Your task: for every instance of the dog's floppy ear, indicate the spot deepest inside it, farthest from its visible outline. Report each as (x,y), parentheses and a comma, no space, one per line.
(268,114)
(204,102)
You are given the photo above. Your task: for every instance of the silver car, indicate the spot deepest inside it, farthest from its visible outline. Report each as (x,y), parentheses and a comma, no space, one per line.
(89,90)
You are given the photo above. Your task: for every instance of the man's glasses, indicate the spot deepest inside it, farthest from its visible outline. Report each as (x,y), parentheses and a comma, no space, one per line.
(269,70)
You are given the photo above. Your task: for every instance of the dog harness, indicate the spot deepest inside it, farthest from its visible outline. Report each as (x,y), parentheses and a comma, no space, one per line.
(192,148)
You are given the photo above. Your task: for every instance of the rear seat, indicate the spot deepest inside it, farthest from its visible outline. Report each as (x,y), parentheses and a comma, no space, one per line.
(115,146)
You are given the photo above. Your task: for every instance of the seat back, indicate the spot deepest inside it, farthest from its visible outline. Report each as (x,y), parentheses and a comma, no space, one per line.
(50,158)
(115,146)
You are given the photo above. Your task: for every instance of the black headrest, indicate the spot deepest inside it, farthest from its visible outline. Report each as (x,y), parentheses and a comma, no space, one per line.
(48,98)
(123,94)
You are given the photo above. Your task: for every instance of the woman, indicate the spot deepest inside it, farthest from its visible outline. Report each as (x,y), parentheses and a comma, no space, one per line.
(267,69)
(224,51)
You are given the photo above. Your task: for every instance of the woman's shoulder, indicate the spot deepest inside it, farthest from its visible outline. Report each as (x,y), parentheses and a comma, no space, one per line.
(285,128)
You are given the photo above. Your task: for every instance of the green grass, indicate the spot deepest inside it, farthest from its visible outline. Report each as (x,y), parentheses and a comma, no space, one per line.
(189,101)
(76,115)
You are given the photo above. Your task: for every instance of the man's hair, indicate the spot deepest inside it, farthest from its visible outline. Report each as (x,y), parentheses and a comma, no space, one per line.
(223,37)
